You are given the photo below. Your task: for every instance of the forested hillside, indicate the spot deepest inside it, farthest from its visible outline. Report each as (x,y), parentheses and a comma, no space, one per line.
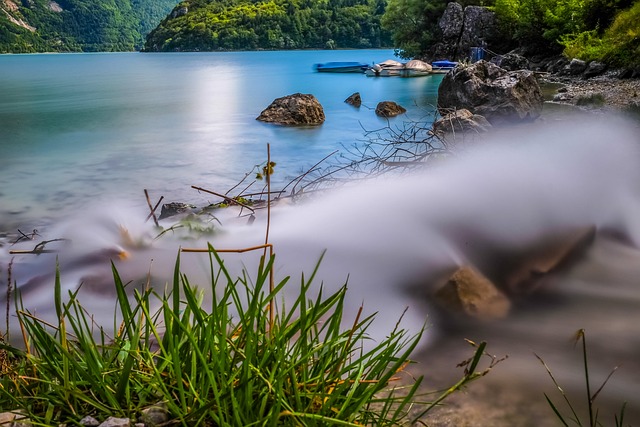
(78,25)
(207,25)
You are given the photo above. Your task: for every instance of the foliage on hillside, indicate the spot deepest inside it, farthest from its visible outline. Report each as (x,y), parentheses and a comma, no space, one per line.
(605,30)
(618,45)
(205,25)
(78,25)
(541,25)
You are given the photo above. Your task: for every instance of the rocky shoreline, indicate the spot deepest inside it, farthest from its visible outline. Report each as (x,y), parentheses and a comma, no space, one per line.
(603,93)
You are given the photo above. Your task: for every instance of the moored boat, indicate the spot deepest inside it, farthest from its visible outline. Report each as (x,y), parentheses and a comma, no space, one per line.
(385,69)
(341,67)
(443,66)
(416,68)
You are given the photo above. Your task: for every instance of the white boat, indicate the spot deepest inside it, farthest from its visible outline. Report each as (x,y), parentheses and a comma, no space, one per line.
(416,68)
(390,68)
(385,69)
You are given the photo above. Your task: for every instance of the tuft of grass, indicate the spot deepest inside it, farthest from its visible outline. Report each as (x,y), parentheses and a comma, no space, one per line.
(573,418)
(233,363)
(592,99)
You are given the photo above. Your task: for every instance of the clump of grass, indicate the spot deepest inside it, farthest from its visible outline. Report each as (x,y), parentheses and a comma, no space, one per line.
(573,417)
(233,364)
(591,99)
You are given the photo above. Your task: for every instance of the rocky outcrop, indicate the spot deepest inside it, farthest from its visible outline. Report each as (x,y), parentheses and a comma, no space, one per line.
(594,68)
(511,62)
(178,12)
(296,109)
(499,95)
(450,23)
(389,109)
(480,27)
(576,67)
(354,100)
(461,121)
(463,29)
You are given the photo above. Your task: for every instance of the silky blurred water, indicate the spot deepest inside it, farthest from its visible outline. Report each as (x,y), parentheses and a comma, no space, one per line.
(76,128)
(79,129)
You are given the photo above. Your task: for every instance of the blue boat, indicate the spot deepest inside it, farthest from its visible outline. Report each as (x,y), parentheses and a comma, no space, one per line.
(341,67)
(443,66)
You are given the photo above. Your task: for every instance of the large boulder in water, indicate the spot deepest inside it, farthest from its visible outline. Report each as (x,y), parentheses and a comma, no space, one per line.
(296,109)
(499,95)
(389,109)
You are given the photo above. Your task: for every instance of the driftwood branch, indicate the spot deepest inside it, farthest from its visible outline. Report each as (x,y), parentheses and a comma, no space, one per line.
(225,198)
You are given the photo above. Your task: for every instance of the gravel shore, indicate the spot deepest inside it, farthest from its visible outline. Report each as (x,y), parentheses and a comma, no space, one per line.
(606,93)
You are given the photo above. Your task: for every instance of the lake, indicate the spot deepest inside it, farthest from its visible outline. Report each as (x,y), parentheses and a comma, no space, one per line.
(81,128)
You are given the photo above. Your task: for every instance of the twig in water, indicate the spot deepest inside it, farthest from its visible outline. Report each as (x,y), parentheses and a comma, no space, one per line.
(226,198)
(154,209)
(151,208)
(23,236)
(39,248)
(9,291)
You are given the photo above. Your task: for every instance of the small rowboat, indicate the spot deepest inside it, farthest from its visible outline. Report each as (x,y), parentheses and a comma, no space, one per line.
(341,67)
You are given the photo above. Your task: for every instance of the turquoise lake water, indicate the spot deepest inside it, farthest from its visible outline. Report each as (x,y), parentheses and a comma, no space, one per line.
(80,128)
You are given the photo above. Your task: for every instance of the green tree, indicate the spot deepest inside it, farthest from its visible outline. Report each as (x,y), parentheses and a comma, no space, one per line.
(413,24)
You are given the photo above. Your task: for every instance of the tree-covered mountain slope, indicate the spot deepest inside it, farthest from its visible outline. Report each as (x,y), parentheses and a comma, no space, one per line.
(78,25)
(208,25)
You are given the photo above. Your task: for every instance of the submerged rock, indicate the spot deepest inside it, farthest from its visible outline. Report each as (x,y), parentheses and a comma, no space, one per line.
(296,109)
(354,100)
(389,109)
(470,293)
(175,208)
(461,121)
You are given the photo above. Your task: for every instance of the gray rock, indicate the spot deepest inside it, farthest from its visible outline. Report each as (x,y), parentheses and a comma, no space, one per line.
(499,95)
(462,29)
(511,62)
(480,27)
(155,415)
(14,419)
(175,208)
(6,418)
(461,121)
(595,68)
(557,66)
(451,22)
(89,421)
(116,422)
(389,109)
(562,97)
(576,67)
(296,109)
(354,100)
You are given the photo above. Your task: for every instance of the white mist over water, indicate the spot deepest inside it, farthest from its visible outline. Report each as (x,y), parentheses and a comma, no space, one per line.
(526,188)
